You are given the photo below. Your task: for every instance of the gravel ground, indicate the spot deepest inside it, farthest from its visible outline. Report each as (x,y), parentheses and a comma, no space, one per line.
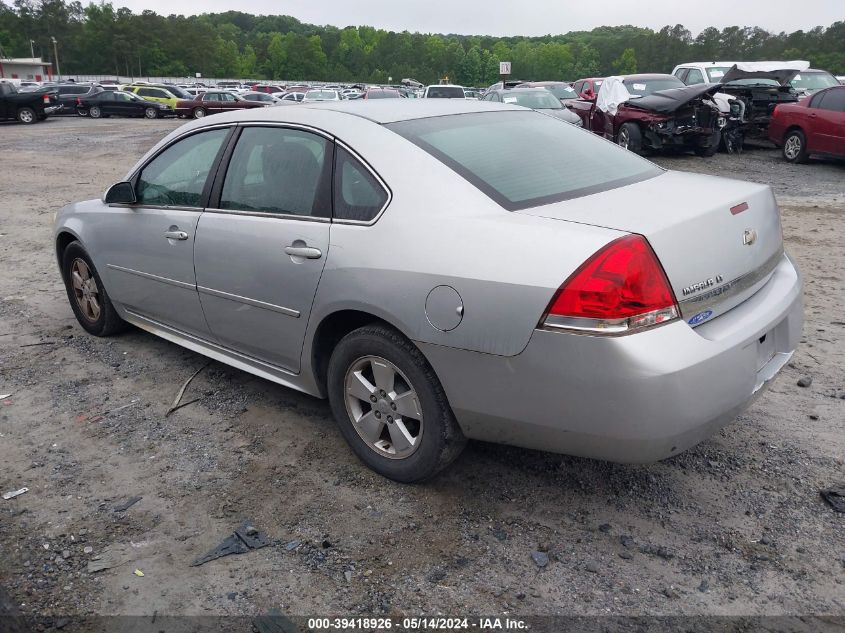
(735,526)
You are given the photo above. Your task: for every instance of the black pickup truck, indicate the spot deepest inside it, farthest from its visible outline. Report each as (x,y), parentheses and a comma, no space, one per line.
(26,107)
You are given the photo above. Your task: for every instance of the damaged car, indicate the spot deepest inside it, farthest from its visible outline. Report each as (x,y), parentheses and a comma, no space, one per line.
(653,112)
(748,93)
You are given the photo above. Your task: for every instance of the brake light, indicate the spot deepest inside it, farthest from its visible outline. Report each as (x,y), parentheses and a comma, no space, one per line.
(78,101)
(620,289)
(46,99)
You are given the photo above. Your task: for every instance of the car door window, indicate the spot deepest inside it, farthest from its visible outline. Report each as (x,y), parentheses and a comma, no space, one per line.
(105,96)
(279,170)
(176,177)
(695,76)
(832,100)
(358,195)
(681,74)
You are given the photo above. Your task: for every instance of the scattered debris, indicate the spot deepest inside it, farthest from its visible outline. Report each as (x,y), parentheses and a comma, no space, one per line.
(41,343)
(138,573)
(292,545)
(541,559)
(243,539)
(4,396)
(113,557)
(14,493)
(834,496)
(123,507)
(805,381)
(181,393)
(87,550)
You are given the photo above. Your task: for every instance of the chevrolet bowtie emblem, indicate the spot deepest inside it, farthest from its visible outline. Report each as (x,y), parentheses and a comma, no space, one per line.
(749,237)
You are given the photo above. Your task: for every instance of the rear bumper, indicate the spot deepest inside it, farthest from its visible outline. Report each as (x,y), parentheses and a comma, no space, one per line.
(638,398)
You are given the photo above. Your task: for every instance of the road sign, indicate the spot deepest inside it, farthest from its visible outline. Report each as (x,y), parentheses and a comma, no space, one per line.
(199,75)
(504,68)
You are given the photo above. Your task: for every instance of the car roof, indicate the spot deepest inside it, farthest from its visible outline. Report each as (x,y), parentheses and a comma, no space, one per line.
(647,77)
(537,84)
(519,89)
(707,64)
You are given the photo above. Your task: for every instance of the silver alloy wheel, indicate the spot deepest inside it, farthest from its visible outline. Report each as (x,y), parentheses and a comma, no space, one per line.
(85,289)
(26,116)
(94,112)
(199,113)
(150,113)
(383,407)
(624,138)
(792,147)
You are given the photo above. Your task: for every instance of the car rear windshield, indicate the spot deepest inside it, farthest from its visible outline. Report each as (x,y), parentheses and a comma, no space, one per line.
(445,92)
(536,99)
(525,159)
(562,91)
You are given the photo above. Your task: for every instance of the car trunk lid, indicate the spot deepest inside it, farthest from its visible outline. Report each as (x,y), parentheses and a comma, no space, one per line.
(718,239)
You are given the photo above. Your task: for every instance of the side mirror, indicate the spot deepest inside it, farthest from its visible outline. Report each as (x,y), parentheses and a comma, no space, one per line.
(121,193)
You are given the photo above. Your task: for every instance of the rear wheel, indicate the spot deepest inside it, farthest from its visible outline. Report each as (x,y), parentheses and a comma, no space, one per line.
(94,112)
(390,406)
(151,113)
(199,113)
(27,115)
(795,147)
(87,295)
(630,137)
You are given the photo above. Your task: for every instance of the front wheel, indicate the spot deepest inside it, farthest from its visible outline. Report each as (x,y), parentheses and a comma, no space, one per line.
(630,137)
(795,147)
(27,115)
(390,406)
(199,113)
(151,113)
(94,112)
(87,295)
(711,148)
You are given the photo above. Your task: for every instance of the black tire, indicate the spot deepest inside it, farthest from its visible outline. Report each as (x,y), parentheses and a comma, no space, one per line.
(27,115)
(199,113)
(630,137)
(108,322)
(95,112)
(795,147)
(710,149)
(441,439)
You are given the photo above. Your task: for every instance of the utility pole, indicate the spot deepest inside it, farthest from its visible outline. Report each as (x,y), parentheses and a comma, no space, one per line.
(56,54)
(32,48)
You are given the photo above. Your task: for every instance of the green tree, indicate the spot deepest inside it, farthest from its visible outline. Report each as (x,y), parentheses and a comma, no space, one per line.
(626,63)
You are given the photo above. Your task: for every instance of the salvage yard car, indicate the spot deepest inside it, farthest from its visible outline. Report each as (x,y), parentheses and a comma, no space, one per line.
(815,125)
(214,102)
(444,269)
(538,99)
(653,112)
(118,103)
(26,107)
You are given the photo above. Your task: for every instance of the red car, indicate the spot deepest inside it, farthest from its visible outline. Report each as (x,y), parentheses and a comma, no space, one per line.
(651,112)
(212,102)
(588,88)
(814,125)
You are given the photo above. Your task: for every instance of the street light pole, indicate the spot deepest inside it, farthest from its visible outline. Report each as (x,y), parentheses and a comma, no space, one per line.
(32,48)
(56,54)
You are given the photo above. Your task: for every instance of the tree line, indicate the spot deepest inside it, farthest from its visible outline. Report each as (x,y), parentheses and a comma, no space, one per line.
(99,39)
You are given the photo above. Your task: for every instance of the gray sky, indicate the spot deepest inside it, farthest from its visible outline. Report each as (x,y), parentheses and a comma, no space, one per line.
(526,17)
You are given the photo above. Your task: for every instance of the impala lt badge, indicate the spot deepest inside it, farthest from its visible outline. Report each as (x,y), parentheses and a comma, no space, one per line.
(703,285)
(749,237)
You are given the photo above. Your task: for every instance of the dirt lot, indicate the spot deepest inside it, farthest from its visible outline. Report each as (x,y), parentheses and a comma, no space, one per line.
(735,526)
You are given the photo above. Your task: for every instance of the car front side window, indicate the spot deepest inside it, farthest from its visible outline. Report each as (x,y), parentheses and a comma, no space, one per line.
(279,170)
(177,176)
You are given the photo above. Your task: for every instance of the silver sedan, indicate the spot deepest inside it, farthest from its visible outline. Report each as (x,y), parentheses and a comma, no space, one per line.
(447,269)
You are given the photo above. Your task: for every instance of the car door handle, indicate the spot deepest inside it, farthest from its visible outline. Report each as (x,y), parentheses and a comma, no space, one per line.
(176,235)
(307,252)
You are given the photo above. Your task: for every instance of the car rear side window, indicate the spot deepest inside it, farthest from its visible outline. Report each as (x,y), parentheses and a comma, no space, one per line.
(176,177)
(279,170)
(833,99)
(358,196)
(525,159)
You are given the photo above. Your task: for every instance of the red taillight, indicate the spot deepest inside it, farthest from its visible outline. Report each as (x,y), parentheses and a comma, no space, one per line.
(78,101)
(621,288)
(46,99)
